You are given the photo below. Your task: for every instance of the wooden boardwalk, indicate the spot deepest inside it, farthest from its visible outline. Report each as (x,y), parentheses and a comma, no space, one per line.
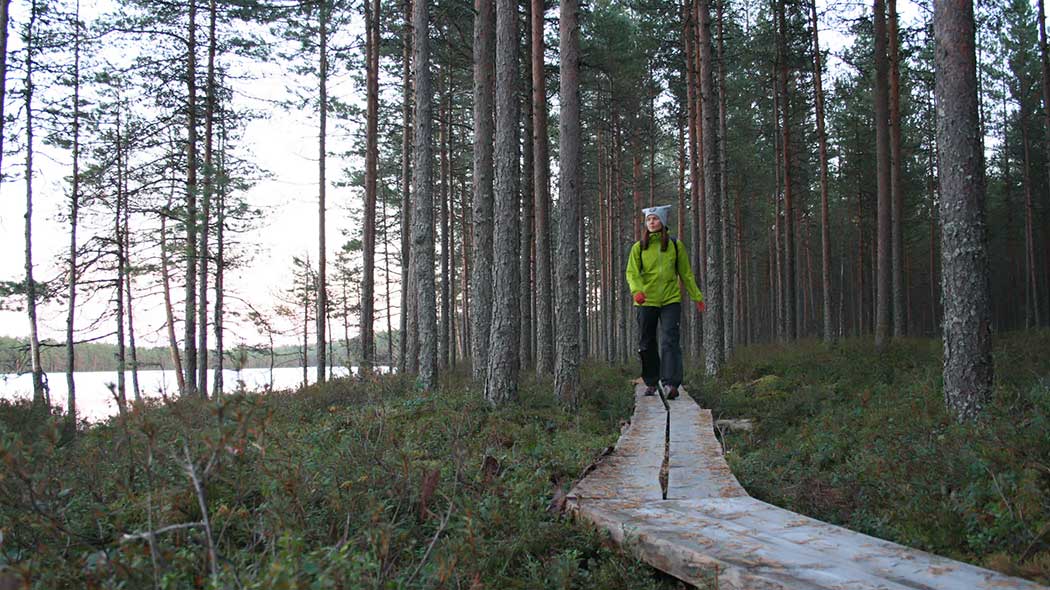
(701,526)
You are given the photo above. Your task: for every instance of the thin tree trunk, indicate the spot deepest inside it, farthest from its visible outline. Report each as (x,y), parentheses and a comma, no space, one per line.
(165,274)
(367,329)
(1029,218)
(423,203)
(883,294)
(541,161)
(74,208)
(689,35)
(567,362)
(822,139)
(220,264)
(790,294)
(407,356)
(896,176)
(445,323)
(118,284)
(484,97)
(126,245)
(968,367)
(190,333)
(39,395)
(322,186)
(5,17)
(209,184)
(501,384)
(729,315)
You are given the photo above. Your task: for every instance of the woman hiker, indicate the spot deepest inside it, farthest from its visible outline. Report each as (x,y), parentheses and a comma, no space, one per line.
(654,267)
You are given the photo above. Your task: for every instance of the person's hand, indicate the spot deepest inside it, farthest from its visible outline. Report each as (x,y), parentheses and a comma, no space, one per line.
(700,307)
(639,297)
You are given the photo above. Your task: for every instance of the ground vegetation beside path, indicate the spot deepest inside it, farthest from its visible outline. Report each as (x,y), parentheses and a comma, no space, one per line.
(346,485)
(861,439)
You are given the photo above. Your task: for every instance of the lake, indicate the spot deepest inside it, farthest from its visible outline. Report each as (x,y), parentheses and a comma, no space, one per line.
(96,403)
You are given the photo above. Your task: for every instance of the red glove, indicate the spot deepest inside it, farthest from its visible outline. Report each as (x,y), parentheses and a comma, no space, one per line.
(700,306)
(639,297)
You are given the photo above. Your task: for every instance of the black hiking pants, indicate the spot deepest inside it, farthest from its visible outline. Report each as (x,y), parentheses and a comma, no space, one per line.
(664,364)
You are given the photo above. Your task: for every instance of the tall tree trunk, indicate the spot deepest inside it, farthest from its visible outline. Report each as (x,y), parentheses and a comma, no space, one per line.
(118,284)
(190,332)
(822,139)
(790,294)
(129,305)
(322,186)
(501,384)
(74,208)
(39,395)
(445,323)
(367,329)
(484,97)
(5,17)
(896,176)
(1029,209)
(220,263)
(209,187)
(423,202)
(968,368)
(406,356)
(527,288)
(567,362)
(689,35)
(713,326)
(541,165)
(882,150)
(729,315)
(165,274)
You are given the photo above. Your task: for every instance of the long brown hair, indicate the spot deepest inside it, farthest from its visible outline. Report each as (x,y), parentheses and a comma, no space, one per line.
(664,235)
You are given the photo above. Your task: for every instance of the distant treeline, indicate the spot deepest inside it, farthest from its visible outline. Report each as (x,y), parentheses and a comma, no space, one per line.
(98,356)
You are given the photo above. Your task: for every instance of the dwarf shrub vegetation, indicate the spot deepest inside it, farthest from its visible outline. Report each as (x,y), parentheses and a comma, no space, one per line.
(862,439)
(351,484)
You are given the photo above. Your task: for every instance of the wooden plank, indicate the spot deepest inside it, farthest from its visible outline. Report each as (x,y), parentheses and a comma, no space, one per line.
(632,471)
(710,533)
(698,469)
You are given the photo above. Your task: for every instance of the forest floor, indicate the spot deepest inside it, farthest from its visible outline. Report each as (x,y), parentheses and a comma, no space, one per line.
(345,485)
(861,439)
(372,484)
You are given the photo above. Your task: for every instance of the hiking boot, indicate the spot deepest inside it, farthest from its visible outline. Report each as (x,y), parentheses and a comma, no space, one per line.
(672,392)
(651,390)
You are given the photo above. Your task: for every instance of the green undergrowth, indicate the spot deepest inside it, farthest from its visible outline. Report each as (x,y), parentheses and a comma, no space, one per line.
(347,485)
(862,439)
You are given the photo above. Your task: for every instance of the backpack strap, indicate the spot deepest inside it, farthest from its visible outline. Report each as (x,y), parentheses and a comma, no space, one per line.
(641,259)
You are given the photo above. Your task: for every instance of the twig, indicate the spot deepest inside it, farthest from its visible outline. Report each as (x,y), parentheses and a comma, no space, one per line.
(192,472)
(149,534)
(441,528)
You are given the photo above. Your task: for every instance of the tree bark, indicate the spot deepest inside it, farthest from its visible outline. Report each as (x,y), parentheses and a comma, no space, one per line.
(896,177)
(190,332)
(527,288)
(322,186)
(567,362)
(367,329)
(484,97)
(790,294)
(165,274)
(220,264)
(882,150)
(407,355)
(968,368)
(39,394)
(209,184)
(74,208)
(445,322)
(822,139)
(713,326)
(501,384)
(423,203)
(5,17)
(544,232)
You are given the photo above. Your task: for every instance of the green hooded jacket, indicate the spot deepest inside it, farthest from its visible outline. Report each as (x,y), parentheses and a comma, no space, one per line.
(653,272)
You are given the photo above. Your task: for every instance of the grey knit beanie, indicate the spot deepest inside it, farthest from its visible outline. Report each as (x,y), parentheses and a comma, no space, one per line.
(661,211)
